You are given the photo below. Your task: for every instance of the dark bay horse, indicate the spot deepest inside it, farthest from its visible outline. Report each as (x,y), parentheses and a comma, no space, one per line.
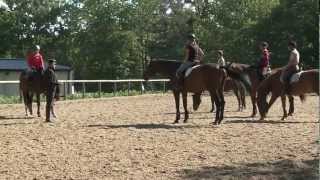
(308,83)
(230,85)
(38,85)
(205,77)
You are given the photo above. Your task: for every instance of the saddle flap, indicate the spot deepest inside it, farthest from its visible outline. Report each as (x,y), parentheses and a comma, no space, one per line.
(189,70)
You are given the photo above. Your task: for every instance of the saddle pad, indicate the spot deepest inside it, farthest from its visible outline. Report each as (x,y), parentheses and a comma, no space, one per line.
(295,77)
(189,70)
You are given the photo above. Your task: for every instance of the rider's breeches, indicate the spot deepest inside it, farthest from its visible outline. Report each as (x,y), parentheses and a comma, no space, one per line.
(286,73)
(184,66)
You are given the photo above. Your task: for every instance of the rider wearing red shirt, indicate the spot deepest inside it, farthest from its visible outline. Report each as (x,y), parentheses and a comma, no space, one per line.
(35,60)
(264,60)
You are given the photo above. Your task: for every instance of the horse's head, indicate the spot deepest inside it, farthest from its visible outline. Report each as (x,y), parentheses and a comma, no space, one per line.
(196,98)
(149,71)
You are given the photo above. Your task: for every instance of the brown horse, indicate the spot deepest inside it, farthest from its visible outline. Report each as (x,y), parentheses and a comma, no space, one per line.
(38,85)
(230,85)
(308,83)
(205,77)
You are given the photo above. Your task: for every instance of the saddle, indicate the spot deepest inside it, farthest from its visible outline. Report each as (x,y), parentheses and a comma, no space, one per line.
(295,77)
(189,70)
(34,75)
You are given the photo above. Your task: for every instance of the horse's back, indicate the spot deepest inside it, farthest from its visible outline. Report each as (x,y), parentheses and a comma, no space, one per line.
(204,77)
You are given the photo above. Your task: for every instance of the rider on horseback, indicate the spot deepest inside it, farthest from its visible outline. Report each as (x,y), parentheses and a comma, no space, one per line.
(193,55)
(263,63)
(35,62)
(221,61)
(292,66)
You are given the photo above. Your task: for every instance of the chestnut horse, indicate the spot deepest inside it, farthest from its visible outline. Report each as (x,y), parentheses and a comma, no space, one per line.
(307,83)
(204,77)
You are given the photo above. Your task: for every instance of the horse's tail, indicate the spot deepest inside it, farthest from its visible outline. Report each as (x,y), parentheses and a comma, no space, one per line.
(242,77)
(302,98)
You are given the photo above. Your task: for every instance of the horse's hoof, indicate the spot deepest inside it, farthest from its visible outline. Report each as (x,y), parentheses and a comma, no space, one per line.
(214,123)
(48,121)
(185,121)
(175,122)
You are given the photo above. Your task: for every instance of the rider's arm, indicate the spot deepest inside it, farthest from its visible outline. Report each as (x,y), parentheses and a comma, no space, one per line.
(201,54)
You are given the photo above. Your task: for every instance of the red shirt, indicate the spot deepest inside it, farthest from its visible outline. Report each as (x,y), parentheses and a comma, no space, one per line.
(35,61)
(264,61)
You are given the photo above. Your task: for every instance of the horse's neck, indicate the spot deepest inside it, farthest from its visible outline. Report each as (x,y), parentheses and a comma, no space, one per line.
(168,71)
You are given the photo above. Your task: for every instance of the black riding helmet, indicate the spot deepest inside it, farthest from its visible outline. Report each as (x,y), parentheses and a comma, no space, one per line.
(191,37)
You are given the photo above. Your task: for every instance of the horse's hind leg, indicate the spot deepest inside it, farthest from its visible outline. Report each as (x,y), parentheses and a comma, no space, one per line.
(291,105)
(217,102)
(283,102)
(242,96)
(236,93)
(222,104)
(176,95)
(38,105)
(186,112)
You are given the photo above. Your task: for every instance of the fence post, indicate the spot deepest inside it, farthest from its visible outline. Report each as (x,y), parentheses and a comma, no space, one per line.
(64,91)
(83,89)
(164,86)
(129,84)
(151,84)
(141,85)
(114,88)
(99,89)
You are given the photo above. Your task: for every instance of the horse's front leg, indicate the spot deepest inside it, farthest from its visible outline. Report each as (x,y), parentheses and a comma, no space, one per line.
(52,111)
(185,106)
(283,102)
(253,100)
(213,104)
(49,106)
(38,104)
(176,95)
(29,103)
(272,100)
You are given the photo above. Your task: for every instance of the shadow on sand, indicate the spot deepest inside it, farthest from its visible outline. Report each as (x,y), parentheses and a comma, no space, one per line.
(282,169)
(269,122)
(15,117)
(147,126)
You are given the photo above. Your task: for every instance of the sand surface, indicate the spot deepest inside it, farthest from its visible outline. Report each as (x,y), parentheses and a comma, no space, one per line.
(134,138)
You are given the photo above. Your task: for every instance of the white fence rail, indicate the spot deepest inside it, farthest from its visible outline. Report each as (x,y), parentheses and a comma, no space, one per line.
(67,85)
